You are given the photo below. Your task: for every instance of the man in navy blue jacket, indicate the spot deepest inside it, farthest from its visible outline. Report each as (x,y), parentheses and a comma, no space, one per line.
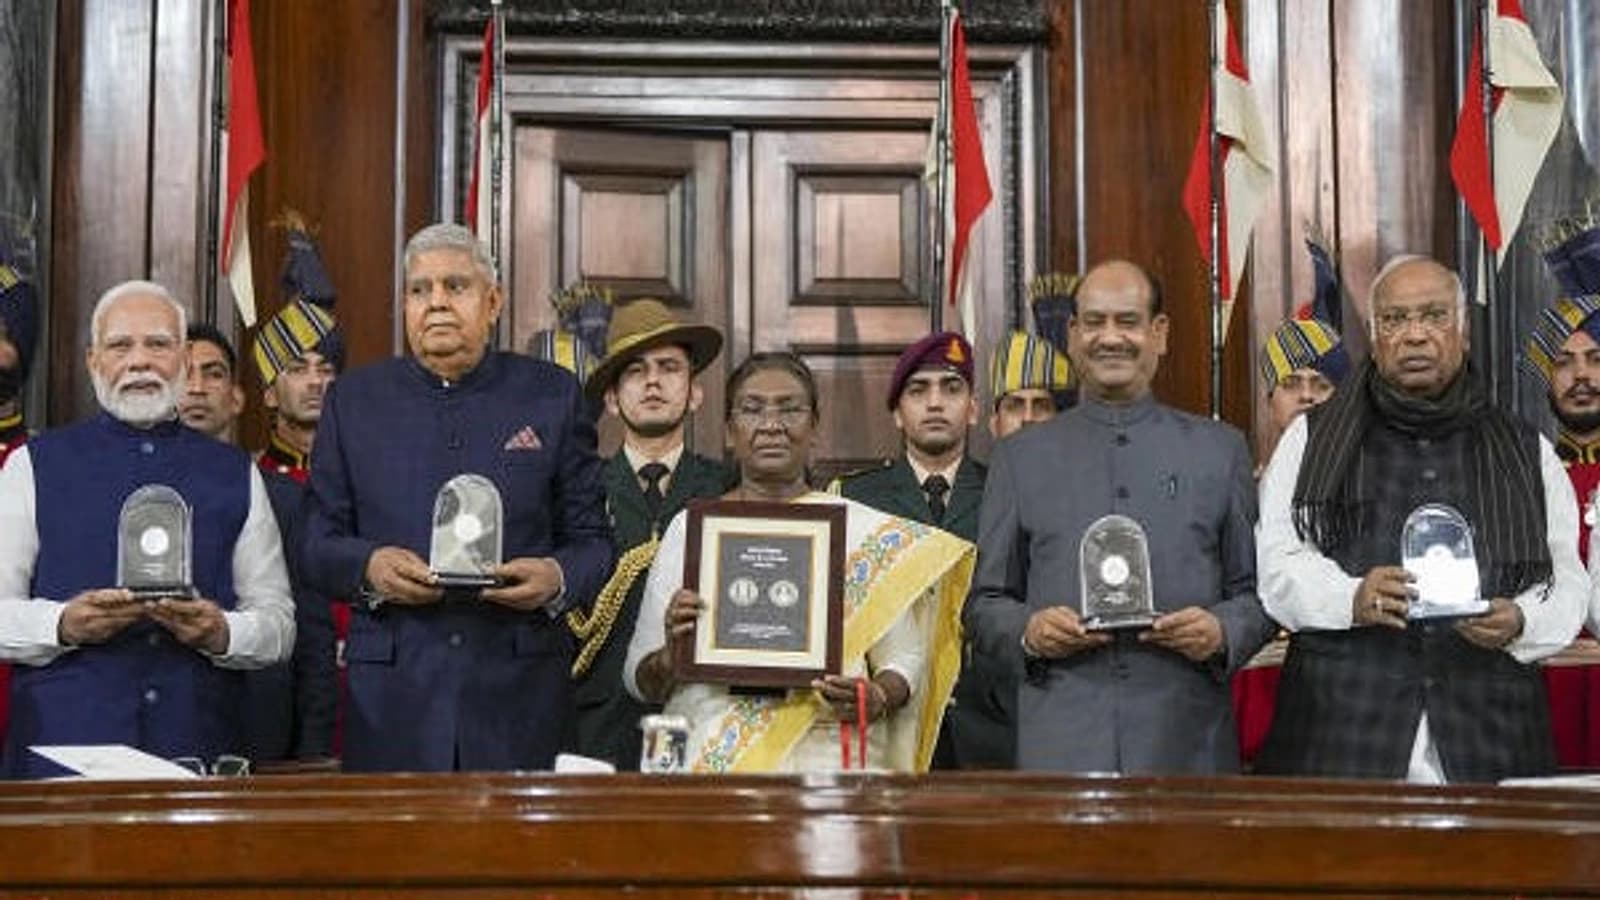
(97,665)
(439,681)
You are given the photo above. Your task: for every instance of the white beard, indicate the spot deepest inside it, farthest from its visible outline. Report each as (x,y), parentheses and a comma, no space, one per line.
(138,410)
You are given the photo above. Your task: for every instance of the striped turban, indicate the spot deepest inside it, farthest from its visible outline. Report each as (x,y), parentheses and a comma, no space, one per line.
(1025,361)
(1557,322)
(1304,344)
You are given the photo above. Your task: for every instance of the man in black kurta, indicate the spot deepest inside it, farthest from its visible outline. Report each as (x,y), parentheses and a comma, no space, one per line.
(647,380)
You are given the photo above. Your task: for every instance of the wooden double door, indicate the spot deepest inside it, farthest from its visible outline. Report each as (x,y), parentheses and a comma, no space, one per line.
(773,190)
(810,240)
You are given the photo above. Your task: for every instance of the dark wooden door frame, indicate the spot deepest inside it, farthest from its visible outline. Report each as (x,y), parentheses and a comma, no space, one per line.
(751,84)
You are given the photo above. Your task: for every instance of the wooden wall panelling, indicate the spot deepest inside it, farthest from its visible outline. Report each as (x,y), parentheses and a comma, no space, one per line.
(421,139)
(180,150)
(101,183)
(1394,120)
(1360,94)
(326,75)
(1290,50)
(1144,78)
(1062,153)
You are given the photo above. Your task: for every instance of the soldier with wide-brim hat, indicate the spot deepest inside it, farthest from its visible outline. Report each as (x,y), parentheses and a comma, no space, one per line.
(647,380)
(642,325)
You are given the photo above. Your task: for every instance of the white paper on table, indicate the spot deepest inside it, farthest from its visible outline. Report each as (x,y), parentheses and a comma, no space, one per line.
(573,764)
(111,762)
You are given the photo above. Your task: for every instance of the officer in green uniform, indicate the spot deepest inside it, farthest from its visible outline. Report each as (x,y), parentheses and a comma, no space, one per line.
(647,380)
(934,404)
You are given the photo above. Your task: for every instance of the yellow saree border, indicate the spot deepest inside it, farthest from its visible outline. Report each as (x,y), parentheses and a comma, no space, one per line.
(896,565)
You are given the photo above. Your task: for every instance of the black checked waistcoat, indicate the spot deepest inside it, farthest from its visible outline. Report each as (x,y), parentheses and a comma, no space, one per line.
(1350,701)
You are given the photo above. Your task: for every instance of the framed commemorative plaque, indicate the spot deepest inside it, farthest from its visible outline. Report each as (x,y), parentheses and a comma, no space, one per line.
(772,578)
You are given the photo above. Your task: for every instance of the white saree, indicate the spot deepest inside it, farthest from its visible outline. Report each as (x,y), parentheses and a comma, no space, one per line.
(904,586)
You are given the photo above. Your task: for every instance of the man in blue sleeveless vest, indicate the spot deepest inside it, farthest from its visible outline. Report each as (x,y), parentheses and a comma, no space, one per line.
(461,681)
(98,666)
(1368,691)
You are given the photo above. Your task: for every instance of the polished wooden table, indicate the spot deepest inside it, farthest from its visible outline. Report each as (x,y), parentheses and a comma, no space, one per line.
(961,835)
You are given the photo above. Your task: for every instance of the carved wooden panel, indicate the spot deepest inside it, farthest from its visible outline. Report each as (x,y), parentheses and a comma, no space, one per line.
(626,231)
(839,269)
(642,213)
(858,237)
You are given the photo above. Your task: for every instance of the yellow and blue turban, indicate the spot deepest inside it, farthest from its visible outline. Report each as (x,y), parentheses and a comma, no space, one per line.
(1557,322)
(578,342)
(305,324)
(1304,344)
(1026,361)
(1053,296)
(295,330)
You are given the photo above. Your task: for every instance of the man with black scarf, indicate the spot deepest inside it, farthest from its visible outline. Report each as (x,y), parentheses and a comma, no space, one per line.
(1365,691)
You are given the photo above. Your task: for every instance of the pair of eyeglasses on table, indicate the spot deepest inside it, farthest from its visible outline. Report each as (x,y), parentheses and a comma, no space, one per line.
(225,766)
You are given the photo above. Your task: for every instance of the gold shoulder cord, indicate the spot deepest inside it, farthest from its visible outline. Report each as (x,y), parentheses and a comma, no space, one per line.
(595,628)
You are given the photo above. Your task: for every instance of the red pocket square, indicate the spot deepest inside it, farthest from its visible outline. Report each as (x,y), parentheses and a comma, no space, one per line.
(526,439)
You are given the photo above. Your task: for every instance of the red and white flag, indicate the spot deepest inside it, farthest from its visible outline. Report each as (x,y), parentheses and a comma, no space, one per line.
(243,150)
(1246,166)
(968,170)
(478,208)
(968,192)
(1527,105)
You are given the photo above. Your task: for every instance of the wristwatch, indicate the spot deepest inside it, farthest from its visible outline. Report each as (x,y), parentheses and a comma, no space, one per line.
(369,597)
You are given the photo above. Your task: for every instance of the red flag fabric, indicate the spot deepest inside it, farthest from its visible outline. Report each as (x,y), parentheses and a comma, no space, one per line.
(245,150)
(1526,106)
(1469,154)
(1245,164)
(972,189)
(478,219)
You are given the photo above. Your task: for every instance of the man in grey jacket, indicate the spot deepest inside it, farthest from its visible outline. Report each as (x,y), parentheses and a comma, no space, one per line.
(1143,700)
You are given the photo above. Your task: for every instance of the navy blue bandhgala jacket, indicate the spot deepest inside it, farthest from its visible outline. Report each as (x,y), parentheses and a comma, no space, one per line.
(141,688)
(457,685)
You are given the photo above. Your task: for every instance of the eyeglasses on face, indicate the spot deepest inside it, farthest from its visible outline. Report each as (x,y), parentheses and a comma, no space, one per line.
(753,414)
(1433,319)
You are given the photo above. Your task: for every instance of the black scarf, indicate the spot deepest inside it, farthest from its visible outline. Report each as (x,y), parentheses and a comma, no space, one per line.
(1506,488)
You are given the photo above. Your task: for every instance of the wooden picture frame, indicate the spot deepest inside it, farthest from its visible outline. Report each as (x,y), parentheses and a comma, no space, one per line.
(772,578)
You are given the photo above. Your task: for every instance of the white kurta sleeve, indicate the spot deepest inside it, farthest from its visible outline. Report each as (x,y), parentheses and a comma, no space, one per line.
(261,624)
(1553,613)
(1300,587)
(900,650)
(663,580)
(28,625)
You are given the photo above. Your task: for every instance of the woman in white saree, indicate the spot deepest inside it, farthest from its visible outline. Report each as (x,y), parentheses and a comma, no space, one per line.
(904,586)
